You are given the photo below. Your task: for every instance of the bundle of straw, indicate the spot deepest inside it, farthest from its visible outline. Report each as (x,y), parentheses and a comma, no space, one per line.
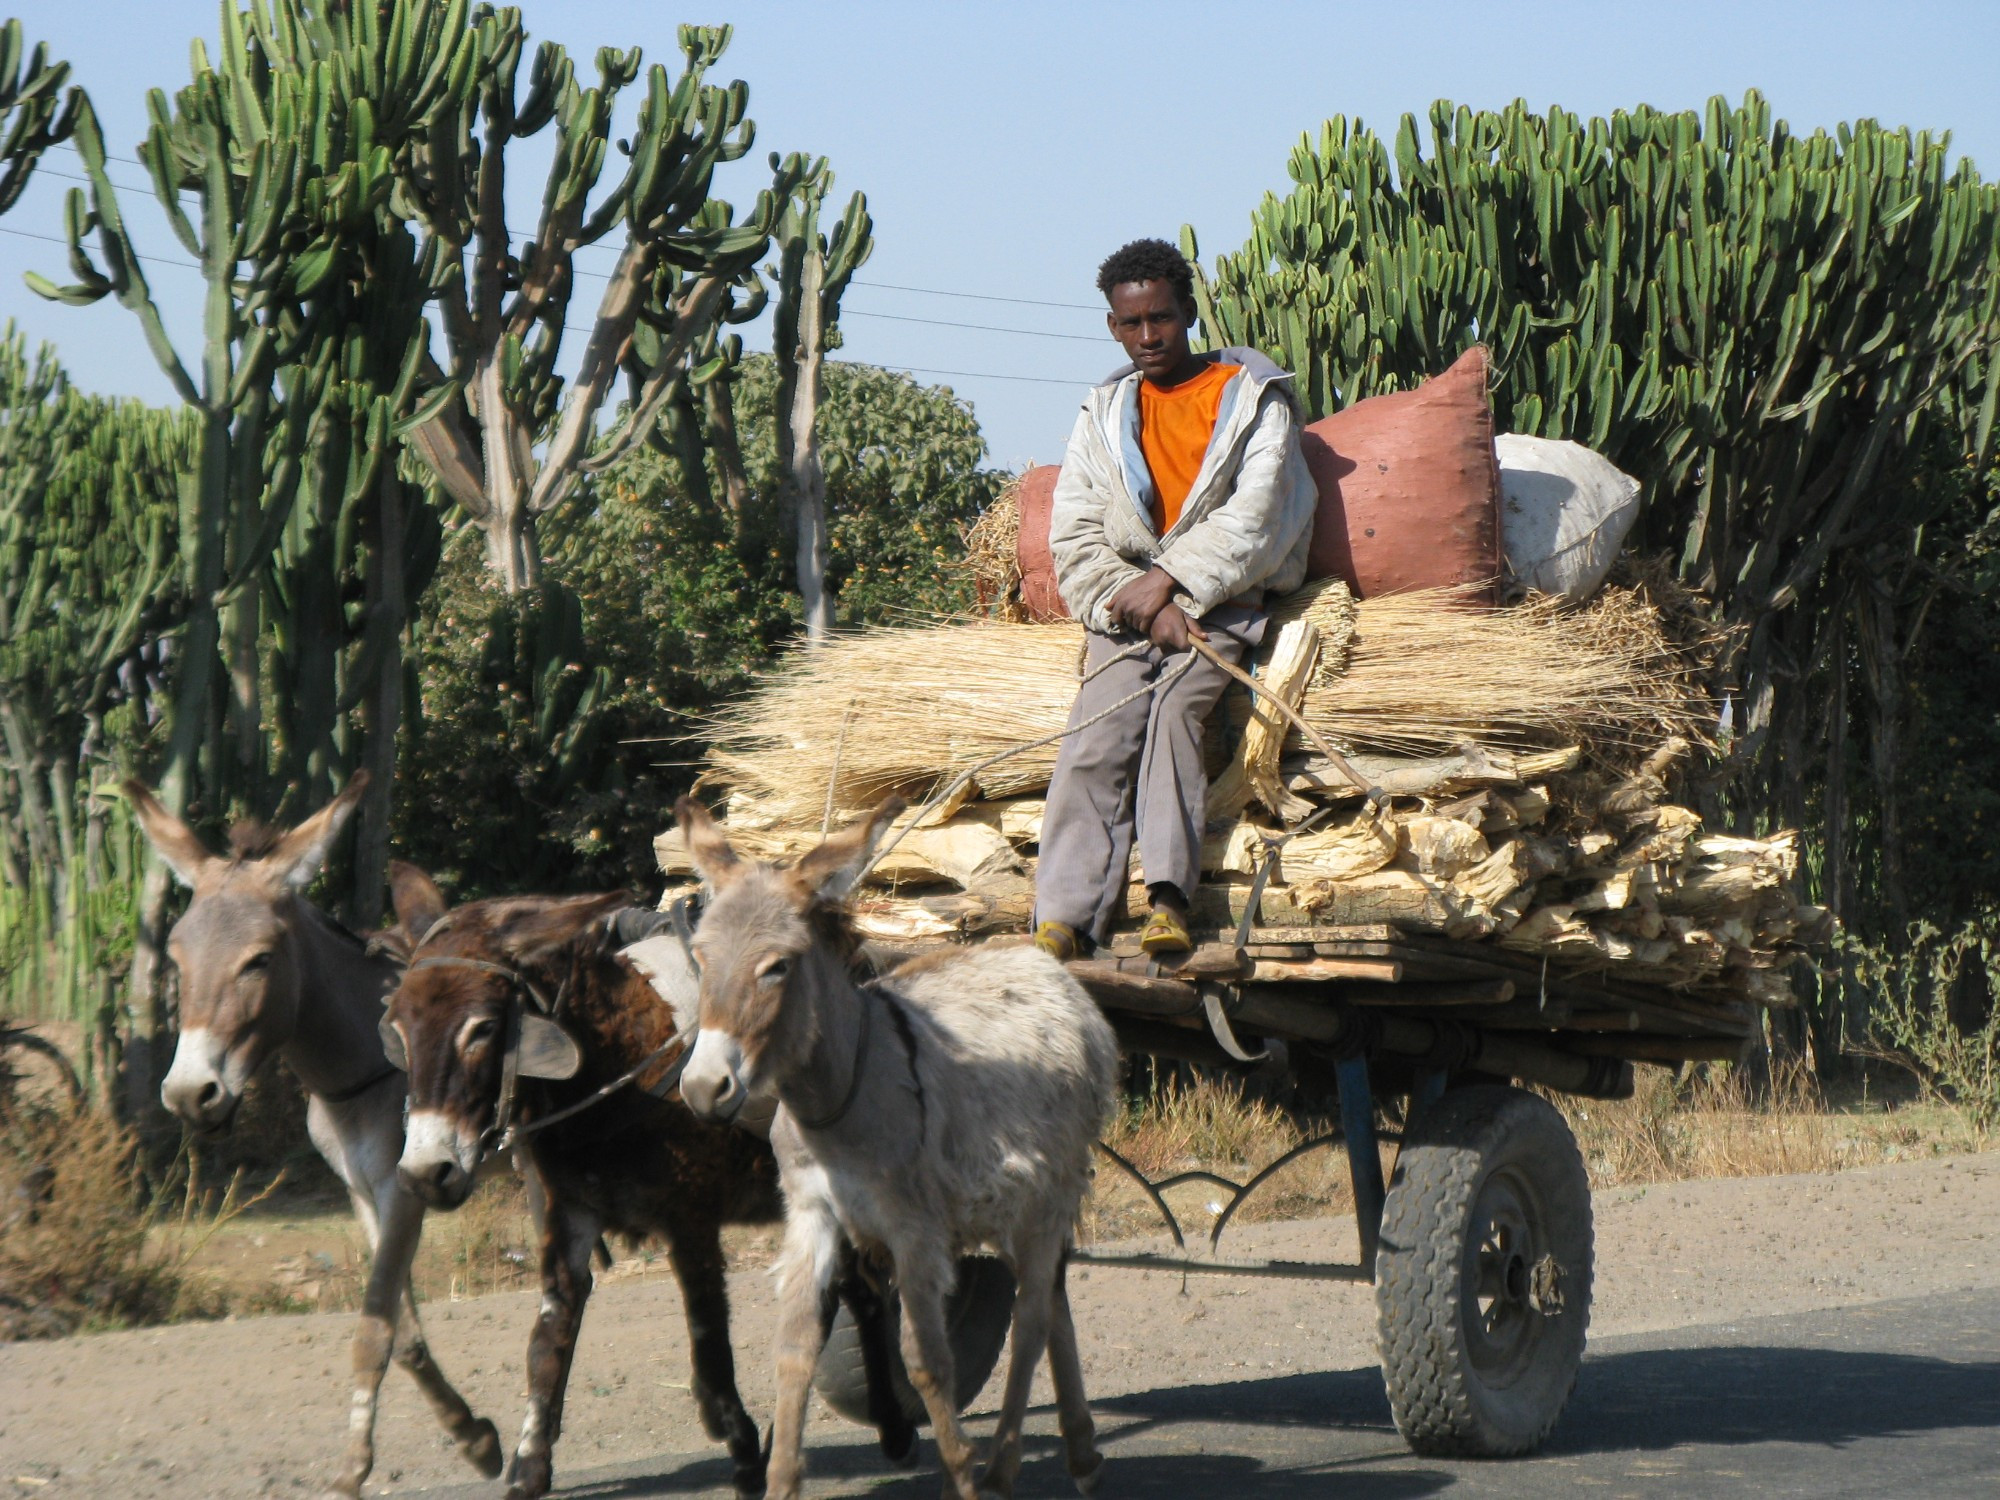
(1424,672)
(906,709)
(992,545)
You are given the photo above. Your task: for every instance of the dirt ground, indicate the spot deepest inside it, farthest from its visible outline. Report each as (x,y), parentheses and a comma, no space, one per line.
(257,1407)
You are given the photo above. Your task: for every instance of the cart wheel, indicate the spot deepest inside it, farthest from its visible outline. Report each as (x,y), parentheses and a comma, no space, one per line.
(977,1317)
(1482,1280)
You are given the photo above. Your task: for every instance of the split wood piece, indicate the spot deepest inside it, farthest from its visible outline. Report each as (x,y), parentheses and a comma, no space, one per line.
(1661,1049)
(967,851)
(1466,769)
(1253,772)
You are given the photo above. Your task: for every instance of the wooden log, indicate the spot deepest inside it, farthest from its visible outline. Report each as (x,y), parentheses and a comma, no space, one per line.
(1396,896)
(1163,1039)
(1280,971)
(1482,993)
(1117,990)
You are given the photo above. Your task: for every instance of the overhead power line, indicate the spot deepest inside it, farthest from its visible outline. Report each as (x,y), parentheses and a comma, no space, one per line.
(188,265)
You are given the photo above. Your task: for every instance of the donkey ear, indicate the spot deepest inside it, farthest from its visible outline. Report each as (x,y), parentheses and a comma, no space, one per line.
(706,843)
(178,844)
(556,923)
(417,901)
(301,852)
(829,872)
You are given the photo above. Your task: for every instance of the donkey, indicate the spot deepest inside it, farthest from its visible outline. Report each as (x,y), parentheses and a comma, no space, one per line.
(262,970)
(513,1010)
(948,1106)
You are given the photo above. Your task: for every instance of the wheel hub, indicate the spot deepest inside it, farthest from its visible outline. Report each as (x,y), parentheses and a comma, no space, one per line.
(1502,1318)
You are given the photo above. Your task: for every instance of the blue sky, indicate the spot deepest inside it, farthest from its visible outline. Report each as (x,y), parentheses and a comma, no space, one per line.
(1005,149)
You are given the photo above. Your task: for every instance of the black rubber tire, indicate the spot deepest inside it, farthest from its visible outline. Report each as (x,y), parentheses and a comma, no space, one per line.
(1482,1279)
(977,1318)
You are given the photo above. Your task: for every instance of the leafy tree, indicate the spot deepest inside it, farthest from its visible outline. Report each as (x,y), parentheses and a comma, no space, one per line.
(556,727)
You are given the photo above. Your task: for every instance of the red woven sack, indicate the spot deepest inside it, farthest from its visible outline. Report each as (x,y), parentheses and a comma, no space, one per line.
(1409,488)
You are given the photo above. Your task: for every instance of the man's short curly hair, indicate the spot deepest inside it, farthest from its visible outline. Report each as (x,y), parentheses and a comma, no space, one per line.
(1147,260)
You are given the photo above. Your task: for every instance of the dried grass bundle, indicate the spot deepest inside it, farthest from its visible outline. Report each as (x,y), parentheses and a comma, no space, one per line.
(906,709)
(929,702)
(1426,672)
(991,555)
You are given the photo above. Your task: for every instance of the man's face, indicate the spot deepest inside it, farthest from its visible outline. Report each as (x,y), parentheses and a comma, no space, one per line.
(1152,325)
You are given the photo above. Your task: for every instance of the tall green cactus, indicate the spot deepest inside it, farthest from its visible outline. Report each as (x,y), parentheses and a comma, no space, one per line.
(88,585)
(812,274)
(1776,333)
(35,114)
(274,167)
(504,309)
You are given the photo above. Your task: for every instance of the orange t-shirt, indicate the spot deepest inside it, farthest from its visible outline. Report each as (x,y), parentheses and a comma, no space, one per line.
(1174,428)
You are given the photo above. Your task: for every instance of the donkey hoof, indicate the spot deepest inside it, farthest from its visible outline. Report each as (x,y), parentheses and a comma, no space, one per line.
(1087,1481)
(899,1446)
(482,1448)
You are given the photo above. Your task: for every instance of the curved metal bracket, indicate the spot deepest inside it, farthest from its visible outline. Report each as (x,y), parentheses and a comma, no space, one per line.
(1238,1192)
(1219,1028)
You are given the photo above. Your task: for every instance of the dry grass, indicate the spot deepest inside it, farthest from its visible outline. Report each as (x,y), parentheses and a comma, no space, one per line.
(992,557)
(1425,673)
(82,1243)
(1211,1126)
(1422,672)
(1668,1131)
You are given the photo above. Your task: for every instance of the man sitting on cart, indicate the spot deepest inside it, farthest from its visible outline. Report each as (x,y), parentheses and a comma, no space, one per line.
(1183,503)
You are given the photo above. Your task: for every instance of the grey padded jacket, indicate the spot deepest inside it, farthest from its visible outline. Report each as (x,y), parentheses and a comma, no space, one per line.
(1247,521)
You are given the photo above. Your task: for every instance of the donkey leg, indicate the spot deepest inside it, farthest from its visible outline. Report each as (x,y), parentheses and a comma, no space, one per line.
(698,1266)
(1034,1274)
(568,1238)
(1066,1370)
(924,1274)
(394,1235)
(805,1287)
(477,1438)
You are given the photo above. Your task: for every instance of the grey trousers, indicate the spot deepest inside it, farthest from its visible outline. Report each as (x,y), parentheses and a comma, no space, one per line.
(1138,771)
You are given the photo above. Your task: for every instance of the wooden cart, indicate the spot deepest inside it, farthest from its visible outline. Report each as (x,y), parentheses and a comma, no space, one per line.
(1478,1239)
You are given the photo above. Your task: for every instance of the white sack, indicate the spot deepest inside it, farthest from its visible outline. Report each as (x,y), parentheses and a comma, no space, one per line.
(1564,513)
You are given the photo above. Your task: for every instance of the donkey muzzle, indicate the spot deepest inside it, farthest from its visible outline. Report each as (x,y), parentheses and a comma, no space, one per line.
(197,1089)
(437,1164)
(713,1083)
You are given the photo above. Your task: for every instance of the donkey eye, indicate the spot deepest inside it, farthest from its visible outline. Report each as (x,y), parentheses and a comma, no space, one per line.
(256,963)
(479,1033)
(775,971)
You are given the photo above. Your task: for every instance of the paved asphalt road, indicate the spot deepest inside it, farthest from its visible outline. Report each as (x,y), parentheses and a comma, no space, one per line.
(1888,1399)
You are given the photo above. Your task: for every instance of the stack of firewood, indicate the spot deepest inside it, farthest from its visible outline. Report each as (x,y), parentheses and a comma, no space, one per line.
(1480,819)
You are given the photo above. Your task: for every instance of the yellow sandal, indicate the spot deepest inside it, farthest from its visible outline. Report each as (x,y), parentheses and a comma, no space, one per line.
(1057,939)
(1164,933)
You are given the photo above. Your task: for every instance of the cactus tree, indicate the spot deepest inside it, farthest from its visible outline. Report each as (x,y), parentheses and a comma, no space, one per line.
(505,307)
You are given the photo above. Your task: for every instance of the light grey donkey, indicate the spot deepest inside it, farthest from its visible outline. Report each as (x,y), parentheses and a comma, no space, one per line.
(949,1106)
(262,970)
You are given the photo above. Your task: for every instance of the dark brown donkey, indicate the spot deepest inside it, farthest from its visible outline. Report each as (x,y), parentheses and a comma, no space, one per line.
(472,1018)
(262,970)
